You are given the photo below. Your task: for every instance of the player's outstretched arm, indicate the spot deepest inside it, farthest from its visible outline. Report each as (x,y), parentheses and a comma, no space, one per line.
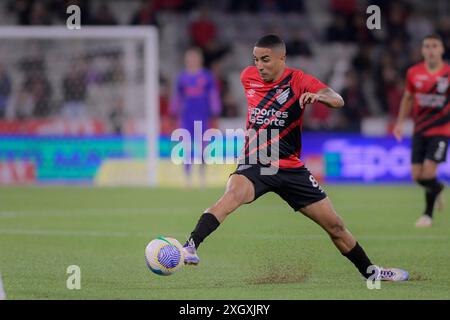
(405,109)
(326,96)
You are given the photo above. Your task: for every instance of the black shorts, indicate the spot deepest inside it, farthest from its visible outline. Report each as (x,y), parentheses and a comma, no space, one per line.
(432,148)
(296,186)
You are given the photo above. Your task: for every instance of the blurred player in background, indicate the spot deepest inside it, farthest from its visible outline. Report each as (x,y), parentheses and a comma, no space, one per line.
(195,99)
(427,94)
(276,99)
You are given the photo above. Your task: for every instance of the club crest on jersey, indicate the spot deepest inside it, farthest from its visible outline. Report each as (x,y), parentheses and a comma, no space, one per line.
(283,95)
(250,93)
(442,84)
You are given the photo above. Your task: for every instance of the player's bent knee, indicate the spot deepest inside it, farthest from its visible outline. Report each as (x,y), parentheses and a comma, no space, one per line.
(336,230)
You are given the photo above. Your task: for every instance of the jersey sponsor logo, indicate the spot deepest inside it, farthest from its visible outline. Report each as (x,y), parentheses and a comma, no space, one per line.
(422,77)
(430,100)
(268,116)
(418,84)
(442,84)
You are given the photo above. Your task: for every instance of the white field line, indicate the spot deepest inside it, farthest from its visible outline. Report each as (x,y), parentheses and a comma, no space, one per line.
(168,209)
(95,211)
(113,234)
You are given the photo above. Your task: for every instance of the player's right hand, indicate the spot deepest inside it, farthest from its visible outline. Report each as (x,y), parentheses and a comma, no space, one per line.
(398,131)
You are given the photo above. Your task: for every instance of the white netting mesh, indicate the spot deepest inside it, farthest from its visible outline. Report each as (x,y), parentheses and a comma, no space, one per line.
(100,79)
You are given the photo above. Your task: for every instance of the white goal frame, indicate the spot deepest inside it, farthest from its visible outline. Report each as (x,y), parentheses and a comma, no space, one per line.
(149,35)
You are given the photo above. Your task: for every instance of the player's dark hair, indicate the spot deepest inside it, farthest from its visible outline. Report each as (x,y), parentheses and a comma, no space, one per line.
(434,36)
(195,49)
(270,41)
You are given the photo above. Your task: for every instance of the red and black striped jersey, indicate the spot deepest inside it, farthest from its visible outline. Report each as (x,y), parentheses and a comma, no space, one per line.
(431,106)
(274,115)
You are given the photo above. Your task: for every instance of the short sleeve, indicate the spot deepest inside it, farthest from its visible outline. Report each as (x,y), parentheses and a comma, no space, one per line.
(244,76)
(311,84)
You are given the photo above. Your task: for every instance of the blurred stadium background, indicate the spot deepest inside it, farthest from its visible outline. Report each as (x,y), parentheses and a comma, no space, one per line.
(74,110)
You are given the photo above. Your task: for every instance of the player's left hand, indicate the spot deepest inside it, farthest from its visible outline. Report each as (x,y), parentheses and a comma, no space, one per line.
(308,98)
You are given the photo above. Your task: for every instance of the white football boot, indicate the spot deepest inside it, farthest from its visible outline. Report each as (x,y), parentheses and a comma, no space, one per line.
(424,222)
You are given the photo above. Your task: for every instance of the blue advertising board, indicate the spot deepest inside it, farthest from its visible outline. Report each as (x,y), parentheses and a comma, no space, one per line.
(344,158)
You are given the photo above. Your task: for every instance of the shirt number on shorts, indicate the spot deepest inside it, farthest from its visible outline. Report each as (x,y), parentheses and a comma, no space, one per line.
(314,183)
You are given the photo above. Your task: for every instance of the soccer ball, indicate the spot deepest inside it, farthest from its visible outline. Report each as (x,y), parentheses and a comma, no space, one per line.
(164,256)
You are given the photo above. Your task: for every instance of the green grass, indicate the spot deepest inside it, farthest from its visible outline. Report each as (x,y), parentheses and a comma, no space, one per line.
(263,250)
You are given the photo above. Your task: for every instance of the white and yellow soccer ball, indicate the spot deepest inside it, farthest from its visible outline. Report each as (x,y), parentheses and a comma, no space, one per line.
(164,256)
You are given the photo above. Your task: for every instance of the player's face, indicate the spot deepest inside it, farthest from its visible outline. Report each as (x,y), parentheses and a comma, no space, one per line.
(268,62)
(193,60)
(432,50)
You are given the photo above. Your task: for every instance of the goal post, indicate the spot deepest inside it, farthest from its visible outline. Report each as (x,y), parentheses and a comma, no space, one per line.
(133,49)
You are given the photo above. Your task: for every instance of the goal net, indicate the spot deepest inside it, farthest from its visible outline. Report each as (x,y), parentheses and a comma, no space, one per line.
(79,106)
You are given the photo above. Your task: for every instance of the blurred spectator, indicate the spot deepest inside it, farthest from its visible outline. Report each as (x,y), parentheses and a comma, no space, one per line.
(117,116)
(272,6)
(38,87)
(362,60)
(229,106)
(355,104)
(418,27)
(107,69)
(443,30)
(75,91)
(399,54)
(340,30)
(202,29)
(146,15)
(318,117)
(168,123)
(203,33)
(22,9)
(397,15)
(22,104)
(103,16)
(240,6)
(40,14)
(344,8)
(213,52)
(298,45)
(297,6)
(393,91)
(363,35)
(5,90)
(172,5)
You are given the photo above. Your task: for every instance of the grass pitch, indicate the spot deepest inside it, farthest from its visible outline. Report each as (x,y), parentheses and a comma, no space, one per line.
(263,251)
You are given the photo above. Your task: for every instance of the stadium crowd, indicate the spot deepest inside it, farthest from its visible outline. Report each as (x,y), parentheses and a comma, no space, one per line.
(370,78)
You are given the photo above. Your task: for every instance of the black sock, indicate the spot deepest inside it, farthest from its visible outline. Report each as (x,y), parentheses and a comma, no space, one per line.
(432,189)
(359,259)
(205,226)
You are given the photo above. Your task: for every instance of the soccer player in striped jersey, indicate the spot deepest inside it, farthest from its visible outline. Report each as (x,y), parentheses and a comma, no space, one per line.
(427,93)
(276,97)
